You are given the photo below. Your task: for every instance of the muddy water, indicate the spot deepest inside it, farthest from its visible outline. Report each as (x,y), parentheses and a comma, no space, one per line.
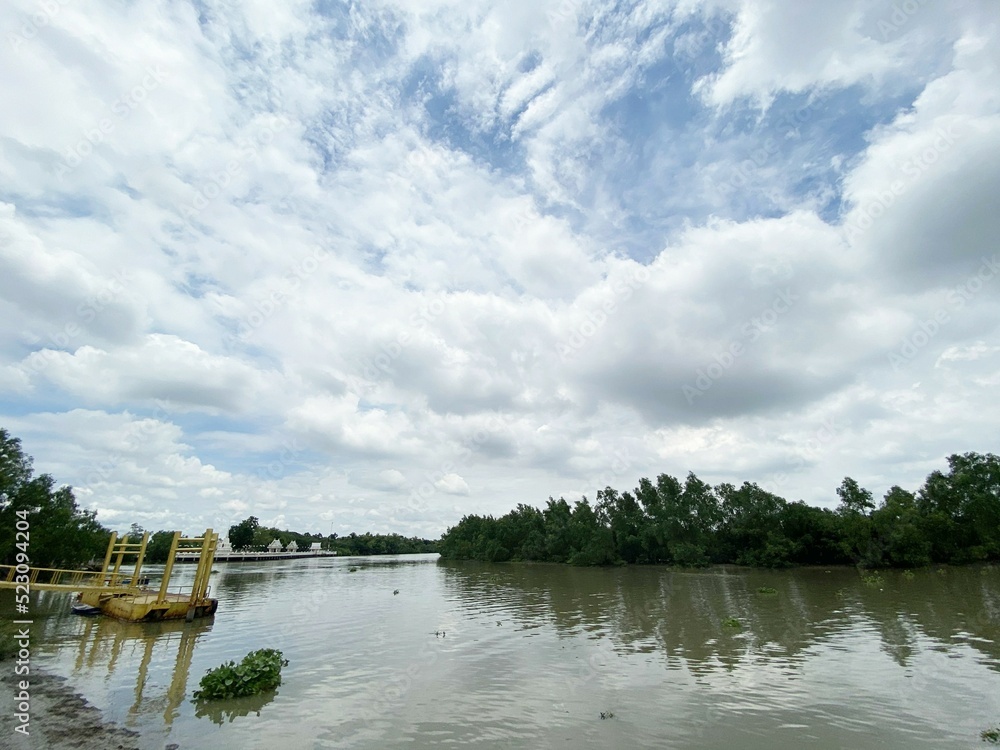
(530,656)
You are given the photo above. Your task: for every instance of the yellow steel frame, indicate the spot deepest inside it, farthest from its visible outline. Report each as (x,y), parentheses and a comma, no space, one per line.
(98,587)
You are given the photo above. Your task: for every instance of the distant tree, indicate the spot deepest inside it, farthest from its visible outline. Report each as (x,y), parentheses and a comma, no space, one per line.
(854,498)
(856,504)
(624,516)
(62,535)
(591,540)
(961,509)
(897,526)
(159,546)
(750,528)
(558,539)
(242,534)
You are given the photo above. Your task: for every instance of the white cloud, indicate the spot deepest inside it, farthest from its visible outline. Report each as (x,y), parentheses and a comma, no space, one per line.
(453,484)
(444,258)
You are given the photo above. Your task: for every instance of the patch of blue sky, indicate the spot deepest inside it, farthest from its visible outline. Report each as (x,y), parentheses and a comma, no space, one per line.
(373,259)
(234,445)
(42,400)
(697,42)
(445,120)
(197,285)
(813,138)
(124,187)
(675,171)
(657,132)
(204,11)
(320,138)
(661,103)
(46,398)
(492,145)
(823,193)
(370,36)
(659,128)
(57,206)
(336,15)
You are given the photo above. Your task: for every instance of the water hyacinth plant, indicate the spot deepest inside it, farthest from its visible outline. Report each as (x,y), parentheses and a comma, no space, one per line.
(873,579)
(259,671)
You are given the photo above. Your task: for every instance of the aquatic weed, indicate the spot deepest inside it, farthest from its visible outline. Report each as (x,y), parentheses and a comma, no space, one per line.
(731,622)
(991,735)
(767,590)
(873,579)
(259,671)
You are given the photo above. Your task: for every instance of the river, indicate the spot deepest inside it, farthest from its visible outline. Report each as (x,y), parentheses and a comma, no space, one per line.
(532,656)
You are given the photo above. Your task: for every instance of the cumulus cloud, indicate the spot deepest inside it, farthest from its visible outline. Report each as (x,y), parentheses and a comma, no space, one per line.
(384,269)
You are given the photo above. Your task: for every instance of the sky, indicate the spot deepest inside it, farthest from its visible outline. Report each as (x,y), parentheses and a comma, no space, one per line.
(376,266)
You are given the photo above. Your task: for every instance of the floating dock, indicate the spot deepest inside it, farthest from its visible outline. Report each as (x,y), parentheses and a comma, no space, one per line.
(120,595)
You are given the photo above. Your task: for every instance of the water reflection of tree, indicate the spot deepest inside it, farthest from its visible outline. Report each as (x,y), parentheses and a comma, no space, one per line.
(221,711)
(679,614)
(952,606)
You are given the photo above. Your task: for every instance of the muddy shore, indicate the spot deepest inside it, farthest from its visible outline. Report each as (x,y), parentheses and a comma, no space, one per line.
(60,718)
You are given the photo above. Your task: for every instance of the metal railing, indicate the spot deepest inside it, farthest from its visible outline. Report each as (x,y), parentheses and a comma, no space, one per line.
(58,577)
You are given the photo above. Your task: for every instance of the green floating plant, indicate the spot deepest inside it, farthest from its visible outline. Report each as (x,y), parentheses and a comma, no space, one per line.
(731,622)
(873,579)
(767,590)
(259,671)
(991,735)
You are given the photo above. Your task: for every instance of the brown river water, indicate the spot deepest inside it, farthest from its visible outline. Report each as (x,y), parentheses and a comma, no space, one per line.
(532,656)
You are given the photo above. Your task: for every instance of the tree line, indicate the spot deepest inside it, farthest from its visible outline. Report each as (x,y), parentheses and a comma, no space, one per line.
(249,534)
(953,518)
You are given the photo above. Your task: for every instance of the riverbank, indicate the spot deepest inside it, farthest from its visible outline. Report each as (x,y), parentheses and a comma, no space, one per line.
(61,718)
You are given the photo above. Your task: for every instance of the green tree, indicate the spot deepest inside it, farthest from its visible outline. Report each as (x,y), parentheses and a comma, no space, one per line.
(855,509)
(898,527)
(814,534)
(158,547)
(242,535)
(558,539)
(750,528)
(623,515)
(62,535)
(590,539)
(961,509)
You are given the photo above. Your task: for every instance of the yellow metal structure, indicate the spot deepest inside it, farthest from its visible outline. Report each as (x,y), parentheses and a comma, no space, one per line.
(120,595)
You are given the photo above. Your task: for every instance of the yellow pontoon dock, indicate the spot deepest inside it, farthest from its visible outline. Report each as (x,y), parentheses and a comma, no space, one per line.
(120,594)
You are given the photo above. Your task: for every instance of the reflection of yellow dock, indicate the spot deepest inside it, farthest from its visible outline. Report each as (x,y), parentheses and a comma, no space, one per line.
(119,595)
(103,641)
